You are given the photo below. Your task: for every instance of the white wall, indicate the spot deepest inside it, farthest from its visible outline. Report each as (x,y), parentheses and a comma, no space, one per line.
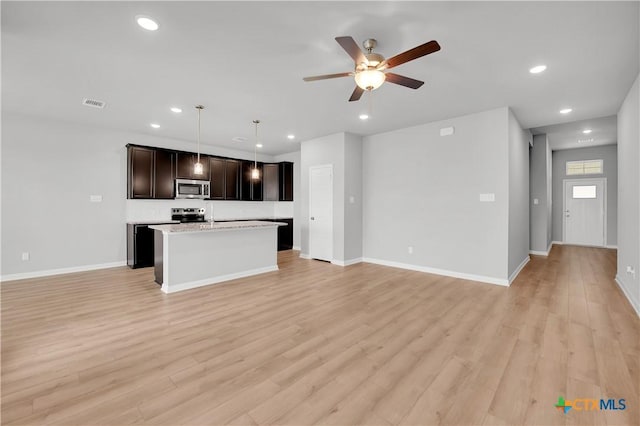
(422,190)
(540,189)
(609,155)
(316,152)
(518,195)
(49,170)
(352,197)
(629,195)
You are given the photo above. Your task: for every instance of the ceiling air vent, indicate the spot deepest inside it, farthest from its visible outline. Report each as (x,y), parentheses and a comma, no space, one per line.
(93,103)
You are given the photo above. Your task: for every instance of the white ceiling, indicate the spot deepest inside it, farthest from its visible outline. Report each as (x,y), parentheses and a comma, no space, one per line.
(246,60)
(604,131)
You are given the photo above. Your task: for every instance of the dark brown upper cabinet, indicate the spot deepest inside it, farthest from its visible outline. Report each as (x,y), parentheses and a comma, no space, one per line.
(271,182)
(233,174)
(151,173)
(285,181)
(186,163)
(217,171)
(251,189)
(225,178)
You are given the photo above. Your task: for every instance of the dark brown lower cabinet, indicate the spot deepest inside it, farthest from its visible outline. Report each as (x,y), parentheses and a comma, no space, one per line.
(139,246)
(285,234)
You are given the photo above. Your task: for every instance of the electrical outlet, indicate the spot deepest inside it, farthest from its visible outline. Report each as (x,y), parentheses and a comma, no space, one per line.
(631,271)
(410,249)
(25,255)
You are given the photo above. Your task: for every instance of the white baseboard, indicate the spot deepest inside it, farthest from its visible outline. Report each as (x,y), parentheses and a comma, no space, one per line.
(539,253)
(71,270)
(519,269)
(305,256)
(557,243)
(454,274)
(347,262)
(172,288)
(296,248)
(611,247)
(542,253)
(634,303)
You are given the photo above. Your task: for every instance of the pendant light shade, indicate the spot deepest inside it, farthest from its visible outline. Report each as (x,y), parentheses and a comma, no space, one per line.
(198,168)
(255,173)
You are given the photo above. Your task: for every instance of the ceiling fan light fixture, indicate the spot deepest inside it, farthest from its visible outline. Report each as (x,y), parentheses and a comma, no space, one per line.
(370,79)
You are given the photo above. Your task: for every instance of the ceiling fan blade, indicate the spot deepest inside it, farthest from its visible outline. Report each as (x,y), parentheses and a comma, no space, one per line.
(327,76)
(403,81)
(415,53)
(351,47)
(357,94)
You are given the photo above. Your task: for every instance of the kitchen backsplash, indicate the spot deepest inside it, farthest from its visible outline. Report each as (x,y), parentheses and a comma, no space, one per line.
(140,210)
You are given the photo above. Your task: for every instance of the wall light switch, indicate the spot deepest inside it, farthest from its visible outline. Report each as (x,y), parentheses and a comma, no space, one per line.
(447,131)
(536,201)
(25,255)
(95,198)
(488,198)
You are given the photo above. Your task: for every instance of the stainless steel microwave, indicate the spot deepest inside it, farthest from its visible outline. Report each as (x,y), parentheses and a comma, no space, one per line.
(187,188)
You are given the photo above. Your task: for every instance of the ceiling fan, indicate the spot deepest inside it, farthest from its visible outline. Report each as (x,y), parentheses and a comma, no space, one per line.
(370,67)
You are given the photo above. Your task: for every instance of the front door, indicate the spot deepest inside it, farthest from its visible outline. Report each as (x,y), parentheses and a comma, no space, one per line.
(584,212)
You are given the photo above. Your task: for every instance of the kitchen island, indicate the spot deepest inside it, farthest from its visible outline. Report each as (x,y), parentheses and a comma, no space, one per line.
(191,255)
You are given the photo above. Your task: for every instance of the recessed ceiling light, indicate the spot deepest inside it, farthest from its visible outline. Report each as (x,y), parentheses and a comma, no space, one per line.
(587,131)
(147,22)
(291,137)
(585,140)
(538,69)
(565,111)
(258,145)
(154,125)
(364,117)
(176,110)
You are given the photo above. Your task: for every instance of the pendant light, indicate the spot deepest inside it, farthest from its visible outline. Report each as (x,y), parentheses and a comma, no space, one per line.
(255,173)
(198,169)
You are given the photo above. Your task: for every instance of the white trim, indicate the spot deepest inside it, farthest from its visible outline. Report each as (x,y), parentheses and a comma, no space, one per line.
(542,253)
(539,253)
(611,247)
(519,269)
(634,303)
(557,242)
(71,270)
(296,248)
(347,262)
(305,256)
(429,270)
(200,283)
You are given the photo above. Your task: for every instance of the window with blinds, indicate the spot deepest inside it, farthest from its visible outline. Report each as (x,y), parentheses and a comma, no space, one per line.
(584,167)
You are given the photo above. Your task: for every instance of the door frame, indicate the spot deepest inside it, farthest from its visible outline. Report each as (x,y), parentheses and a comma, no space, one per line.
(603,180)
(311,168)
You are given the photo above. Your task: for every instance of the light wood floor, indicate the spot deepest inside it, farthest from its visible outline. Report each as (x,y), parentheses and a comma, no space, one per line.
(318,343)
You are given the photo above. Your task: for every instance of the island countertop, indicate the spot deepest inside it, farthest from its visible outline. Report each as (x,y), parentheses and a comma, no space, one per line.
(214,226)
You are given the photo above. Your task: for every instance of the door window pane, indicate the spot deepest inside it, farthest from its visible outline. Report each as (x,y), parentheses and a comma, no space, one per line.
(584,191)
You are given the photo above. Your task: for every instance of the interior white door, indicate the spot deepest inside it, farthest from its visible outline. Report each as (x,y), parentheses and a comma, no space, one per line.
(321,212)
(584,212)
